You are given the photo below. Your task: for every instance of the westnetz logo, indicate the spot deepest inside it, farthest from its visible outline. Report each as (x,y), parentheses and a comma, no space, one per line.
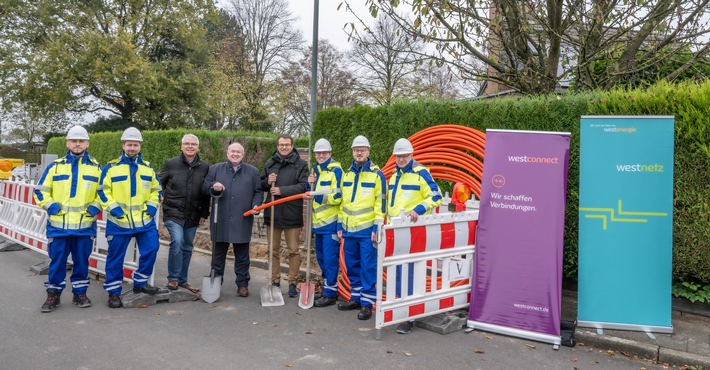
(527,159)
(629,130)
(639,167)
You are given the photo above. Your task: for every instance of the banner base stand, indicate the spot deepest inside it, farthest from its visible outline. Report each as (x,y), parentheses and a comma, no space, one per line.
(630,327)
(539,337)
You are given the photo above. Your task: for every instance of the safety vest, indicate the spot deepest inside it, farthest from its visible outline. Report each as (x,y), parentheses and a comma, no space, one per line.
(363,208)
(67,191)
(412,188)
(329,175)
(129,192)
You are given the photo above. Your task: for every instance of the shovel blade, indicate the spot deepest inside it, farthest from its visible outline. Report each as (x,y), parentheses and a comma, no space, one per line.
(211,286)
(305,299)
(271,296)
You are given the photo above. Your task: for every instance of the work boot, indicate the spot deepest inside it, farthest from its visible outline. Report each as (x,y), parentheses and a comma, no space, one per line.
(276,284)
(52,301)
(405,327)
(147,289)
(365,313)
(292,290)
(81,300)
(324,301)
(348,306)
(114,301)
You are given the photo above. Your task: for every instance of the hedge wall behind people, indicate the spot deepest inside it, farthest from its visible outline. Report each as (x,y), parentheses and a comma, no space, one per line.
(688,102)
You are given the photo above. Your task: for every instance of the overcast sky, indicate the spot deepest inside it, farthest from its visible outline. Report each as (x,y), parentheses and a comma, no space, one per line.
(330,19)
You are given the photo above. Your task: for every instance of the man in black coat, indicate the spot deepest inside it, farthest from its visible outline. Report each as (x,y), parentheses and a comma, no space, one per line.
(285,174)
(240,186)
(184,207)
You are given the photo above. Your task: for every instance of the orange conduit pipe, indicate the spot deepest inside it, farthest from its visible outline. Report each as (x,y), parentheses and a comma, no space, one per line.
(452,153)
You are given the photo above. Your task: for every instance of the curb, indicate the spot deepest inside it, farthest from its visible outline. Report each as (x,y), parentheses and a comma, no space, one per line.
(642,350)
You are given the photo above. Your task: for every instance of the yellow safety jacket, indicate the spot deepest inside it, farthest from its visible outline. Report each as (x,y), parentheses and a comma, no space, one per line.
(130,193)
(67,191)
(329,174)
(412,188)
(363,208)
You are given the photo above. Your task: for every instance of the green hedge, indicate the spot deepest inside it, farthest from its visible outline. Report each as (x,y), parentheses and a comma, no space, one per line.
(158,146)
(688,102)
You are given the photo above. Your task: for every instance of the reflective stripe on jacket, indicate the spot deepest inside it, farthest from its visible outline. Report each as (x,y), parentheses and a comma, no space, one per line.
(129,192)
(412,188)
(363,208)
(329,174)
(67,191)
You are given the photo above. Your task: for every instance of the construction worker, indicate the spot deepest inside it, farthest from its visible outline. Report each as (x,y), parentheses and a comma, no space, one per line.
(412,192)
(130,192)
(67,191)
(327,173)
(184,207)
(360,220)
(285,174)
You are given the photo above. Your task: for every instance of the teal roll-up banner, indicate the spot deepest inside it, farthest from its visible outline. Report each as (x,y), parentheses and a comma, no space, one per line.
(626,222)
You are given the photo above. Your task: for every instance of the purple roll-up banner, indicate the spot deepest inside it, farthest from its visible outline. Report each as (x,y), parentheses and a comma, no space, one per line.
(517,281)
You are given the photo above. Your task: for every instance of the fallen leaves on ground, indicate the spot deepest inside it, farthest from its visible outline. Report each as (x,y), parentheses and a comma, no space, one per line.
(625,353)
(530,346)
(142,306)
(610,353)
(574,359)
(478,350)
(309,332)
(408,354)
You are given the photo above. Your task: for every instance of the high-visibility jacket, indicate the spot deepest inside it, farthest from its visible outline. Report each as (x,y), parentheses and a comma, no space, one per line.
(329,175)
(363,208)
(412,188)
(67,191)
(130,192)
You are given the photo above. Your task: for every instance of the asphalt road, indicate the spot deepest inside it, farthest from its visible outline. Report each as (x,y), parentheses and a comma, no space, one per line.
(238,333)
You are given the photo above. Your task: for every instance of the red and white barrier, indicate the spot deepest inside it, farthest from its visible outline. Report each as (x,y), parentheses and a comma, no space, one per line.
(440,246)
(22,221)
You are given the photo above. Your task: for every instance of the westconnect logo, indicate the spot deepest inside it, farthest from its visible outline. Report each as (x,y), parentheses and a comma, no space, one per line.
(629,130)
(539,160)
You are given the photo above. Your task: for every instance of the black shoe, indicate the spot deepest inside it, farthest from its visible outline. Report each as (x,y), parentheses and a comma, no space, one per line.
(324,301)
(405,327)
(365,313)
(276,284)
(114,301)
(147,289)
(292,290)
(81,300)
(52,301)
(348,306)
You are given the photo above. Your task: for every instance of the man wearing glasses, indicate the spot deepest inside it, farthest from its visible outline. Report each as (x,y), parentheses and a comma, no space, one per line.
(285,174)
(184,207)
(361,216)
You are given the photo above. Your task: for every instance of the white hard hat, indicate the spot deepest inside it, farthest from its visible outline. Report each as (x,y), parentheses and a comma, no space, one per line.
(322,145)
(77,133)
(402,146)
(132,134)
(360,141)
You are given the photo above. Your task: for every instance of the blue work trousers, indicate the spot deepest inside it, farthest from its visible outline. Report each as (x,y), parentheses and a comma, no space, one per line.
(328,256)
(361,262)
(59,249)
(148,244)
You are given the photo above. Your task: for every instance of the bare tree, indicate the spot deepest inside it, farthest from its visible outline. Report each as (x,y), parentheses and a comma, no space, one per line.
(27,126)
(270,41)
(385,61)
(438,82)
(531,46)
(335,86)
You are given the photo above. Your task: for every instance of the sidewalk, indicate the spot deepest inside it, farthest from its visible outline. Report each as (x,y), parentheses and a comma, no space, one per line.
(688,345)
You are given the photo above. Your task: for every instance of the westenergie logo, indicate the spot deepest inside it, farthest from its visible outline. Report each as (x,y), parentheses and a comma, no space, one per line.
(639,167)
(629,130)
(526,159)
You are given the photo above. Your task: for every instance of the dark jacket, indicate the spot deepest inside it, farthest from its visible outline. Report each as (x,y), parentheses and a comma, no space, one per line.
(183,201)
(292,179)
(242,192)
